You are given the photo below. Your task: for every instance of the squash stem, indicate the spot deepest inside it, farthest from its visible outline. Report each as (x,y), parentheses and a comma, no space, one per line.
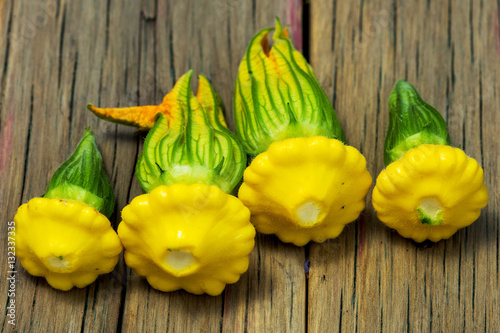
(180,262)
(430,212)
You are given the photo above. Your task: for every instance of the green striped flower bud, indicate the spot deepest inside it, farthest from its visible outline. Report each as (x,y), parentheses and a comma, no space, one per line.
(192,143)
(278,96)
(82,177)
(412,122)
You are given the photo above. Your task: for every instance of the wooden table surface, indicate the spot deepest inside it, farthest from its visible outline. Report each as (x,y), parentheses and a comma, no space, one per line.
(58,55)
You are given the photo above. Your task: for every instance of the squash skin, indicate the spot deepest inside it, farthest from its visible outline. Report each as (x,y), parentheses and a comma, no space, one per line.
(53,233)
(441,172)
(212,227)
(294,172)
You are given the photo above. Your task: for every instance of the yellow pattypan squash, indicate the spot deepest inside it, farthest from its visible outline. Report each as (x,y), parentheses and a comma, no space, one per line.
(66,241)
(429,189)
(191,237)
(305,189)
(303,184)
(430,192)
(187,232)
(66,236)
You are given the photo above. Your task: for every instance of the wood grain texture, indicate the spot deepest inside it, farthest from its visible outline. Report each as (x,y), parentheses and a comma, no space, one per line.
(58,55)
(379,281)
(61,55)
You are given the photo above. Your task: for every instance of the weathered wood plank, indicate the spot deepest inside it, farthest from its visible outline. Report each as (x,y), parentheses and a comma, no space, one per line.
(60,61)
(201,35)
(111,47)
(271,296)
(116,62)
(470,48)
(58,55)
(27,100)
(351,55)
(443,48)
(489,94)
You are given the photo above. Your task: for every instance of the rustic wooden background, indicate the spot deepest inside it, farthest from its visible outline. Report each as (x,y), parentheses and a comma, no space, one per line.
(58,55)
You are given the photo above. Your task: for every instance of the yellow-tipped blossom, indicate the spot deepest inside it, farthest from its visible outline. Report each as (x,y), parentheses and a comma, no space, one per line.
(142,117)
(428,190)
(303,184)
(65,236)
(278,96)
(187,232)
